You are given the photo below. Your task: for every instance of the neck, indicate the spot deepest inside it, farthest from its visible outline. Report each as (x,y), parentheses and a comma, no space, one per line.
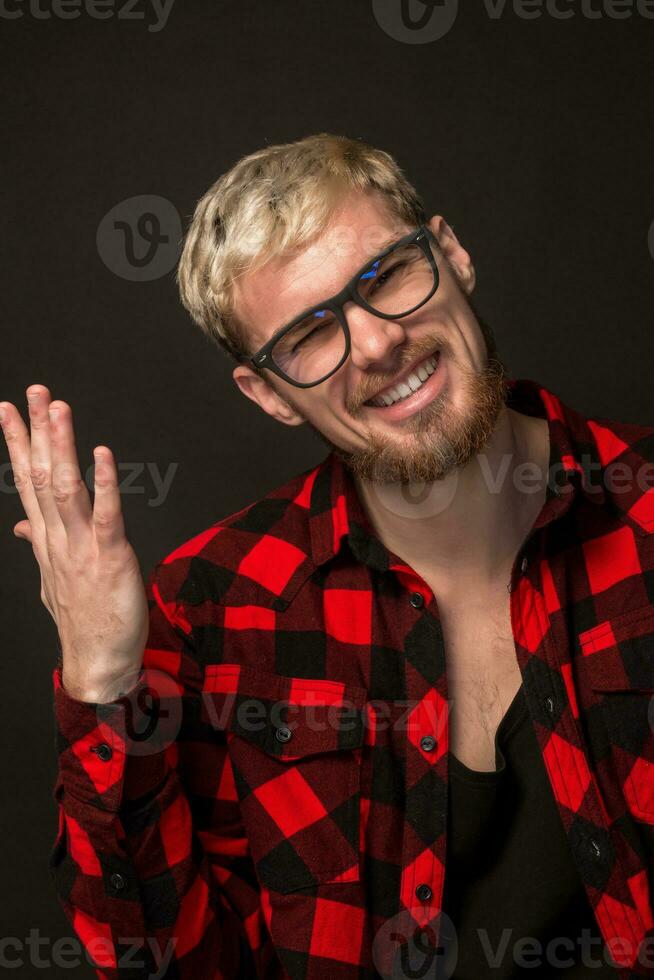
(468,526)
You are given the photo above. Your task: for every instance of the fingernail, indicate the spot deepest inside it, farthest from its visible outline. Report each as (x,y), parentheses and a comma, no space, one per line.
(53,413)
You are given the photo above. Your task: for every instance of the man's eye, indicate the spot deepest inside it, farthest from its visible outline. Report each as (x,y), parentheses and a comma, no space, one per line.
(385,276)
(308,336)
(303,340)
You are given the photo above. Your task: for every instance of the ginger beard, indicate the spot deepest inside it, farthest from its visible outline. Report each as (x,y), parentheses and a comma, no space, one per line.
(437,439)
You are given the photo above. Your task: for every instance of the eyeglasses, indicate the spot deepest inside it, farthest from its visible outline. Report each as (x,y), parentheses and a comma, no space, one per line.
(314,345)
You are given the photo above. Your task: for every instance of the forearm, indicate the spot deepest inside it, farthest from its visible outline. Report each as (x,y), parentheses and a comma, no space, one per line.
(133,879)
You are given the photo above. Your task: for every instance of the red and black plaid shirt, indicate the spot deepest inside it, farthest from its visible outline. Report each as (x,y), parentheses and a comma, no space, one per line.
(284,815)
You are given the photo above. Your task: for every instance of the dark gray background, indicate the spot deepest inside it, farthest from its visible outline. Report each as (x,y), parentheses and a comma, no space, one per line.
(533,138)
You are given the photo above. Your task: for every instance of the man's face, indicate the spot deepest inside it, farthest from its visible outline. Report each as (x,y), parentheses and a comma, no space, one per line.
(427,434)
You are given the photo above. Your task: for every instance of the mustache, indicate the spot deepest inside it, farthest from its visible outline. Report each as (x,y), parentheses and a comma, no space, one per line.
(376,381)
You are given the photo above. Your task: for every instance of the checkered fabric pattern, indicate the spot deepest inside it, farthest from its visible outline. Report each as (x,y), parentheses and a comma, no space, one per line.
(294,812)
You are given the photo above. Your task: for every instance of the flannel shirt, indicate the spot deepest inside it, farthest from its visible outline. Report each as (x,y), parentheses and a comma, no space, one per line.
(287,817)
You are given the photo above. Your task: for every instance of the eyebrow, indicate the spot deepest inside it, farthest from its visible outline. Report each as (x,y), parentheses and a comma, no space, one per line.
(390,240)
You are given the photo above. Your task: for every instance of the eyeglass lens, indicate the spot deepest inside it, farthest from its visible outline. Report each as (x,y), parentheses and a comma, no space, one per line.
(393,285)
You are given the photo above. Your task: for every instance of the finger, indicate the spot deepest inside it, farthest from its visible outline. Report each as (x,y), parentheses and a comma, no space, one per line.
(107,512)
(23,530)
(18,444)
(69,490)
(38,399)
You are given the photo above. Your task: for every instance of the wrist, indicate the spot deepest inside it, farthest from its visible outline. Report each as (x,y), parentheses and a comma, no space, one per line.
(95,690)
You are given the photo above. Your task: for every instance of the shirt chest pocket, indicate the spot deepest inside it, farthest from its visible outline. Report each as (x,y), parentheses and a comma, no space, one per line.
(619,663)
(295,747)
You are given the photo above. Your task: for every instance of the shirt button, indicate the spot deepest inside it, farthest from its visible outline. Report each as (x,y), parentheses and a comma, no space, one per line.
(117,881)
(417,600)
(524,565)
(103,751)
(427,743)
(423,892)
(283,734)
(549,704)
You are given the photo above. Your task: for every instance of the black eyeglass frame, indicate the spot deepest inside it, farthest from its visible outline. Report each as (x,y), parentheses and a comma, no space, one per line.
(263,358)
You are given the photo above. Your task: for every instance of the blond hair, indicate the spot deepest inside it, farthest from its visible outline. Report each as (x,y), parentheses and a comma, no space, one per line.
(269,203)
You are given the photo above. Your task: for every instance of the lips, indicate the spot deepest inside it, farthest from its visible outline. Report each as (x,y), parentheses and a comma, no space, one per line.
(407,383)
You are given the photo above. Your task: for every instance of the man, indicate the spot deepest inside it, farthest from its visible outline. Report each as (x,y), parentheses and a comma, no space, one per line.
(393,716)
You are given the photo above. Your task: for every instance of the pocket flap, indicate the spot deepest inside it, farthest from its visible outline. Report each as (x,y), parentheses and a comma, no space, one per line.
(618,654)
(288,717)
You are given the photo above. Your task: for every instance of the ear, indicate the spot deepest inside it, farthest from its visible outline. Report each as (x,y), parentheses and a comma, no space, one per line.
(454,253)
(268,398)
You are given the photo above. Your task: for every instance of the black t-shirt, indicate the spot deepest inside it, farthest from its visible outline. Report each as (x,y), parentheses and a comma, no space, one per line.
(510,872)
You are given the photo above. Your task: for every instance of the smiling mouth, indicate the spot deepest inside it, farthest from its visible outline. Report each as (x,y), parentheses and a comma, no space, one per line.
(408,385)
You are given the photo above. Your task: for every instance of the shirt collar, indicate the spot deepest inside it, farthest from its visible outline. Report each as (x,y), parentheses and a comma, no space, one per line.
(581,449)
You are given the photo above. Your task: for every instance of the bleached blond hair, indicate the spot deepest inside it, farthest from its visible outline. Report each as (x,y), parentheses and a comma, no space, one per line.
(267,205)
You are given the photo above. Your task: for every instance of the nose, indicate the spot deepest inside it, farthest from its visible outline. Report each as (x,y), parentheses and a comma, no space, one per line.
(373,340)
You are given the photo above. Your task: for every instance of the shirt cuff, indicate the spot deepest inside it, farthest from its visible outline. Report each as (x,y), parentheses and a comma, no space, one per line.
(113,753)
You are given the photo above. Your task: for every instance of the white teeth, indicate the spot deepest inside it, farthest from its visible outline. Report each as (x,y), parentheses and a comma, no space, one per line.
(404,388)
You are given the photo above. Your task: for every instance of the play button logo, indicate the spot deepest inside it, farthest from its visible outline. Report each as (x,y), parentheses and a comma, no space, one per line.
(416,21)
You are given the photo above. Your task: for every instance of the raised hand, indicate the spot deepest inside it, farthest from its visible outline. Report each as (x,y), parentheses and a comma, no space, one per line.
(91,583)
